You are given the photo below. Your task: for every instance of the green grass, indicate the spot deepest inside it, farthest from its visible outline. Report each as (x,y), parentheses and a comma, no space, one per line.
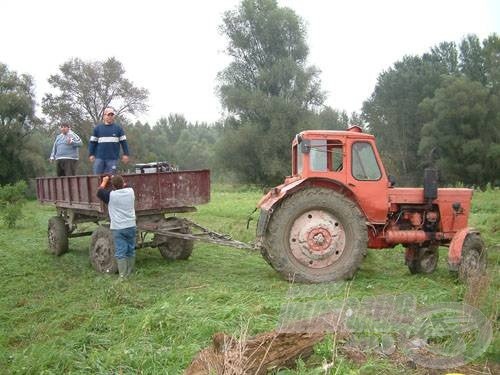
(57,315)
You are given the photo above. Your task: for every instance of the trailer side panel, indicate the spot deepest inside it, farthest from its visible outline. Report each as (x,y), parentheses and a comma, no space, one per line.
(161,191)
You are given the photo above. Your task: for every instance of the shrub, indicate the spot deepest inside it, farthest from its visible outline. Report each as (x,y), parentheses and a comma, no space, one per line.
(12,199)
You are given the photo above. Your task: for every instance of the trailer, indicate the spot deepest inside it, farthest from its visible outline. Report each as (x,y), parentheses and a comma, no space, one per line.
(159,195)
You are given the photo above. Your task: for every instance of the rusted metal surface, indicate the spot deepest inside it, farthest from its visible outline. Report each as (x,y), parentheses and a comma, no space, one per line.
(196,233)
(317,239)
(155,192)
(406,236)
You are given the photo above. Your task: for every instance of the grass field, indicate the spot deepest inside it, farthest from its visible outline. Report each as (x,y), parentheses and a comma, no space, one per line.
(57,315)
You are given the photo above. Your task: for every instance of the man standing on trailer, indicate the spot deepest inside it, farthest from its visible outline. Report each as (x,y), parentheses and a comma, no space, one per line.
(65,151)
(104,145)
(121,210)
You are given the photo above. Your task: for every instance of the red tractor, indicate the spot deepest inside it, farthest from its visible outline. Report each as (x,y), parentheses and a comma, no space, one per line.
(339,201)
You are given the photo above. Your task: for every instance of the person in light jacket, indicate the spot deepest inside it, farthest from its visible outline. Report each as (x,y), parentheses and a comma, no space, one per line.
(65,151)
(121,211)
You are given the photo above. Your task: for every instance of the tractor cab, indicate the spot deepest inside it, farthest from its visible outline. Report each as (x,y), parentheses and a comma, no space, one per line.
(347,161)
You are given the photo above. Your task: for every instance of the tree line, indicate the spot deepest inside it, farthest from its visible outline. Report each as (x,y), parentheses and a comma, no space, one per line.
(441,108)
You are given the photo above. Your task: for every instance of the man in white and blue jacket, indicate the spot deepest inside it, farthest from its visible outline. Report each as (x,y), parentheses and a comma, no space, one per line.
(104,145)
(65,151)
(121,211)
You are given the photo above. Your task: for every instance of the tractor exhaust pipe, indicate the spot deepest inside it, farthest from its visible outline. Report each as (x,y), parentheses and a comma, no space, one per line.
(430,184)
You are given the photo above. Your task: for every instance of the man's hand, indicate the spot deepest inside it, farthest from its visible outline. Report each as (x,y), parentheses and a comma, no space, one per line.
(125,159)
(92,158)
(104,182)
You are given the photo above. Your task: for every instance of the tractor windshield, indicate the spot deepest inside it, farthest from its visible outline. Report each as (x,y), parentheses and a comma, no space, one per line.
(364,163)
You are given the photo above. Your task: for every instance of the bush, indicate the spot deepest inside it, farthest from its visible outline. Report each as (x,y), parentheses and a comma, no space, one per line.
(12,199)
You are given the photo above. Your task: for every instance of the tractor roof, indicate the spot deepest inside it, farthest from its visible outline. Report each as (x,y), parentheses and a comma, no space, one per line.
(353,132)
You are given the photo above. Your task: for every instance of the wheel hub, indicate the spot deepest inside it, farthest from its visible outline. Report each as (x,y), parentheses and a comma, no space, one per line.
(317,239)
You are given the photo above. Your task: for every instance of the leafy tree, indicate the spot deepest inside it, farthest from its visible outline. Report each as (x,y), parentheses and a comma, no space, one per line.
(267,89)
(392,111)
(237,155)
(85,89)
(445,54)
(194,148)
(395,114)
(172,126)
(459,127)
(472,62)
(269,51)
(491,59)
(17,122)
(175,140)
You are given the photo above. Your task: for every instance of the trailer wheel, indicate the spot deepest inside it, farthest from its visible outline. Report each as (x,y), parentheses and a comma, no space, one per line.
(102,251)
(173,248)
(316,235)
(473,262)
(422,259)
(57,234)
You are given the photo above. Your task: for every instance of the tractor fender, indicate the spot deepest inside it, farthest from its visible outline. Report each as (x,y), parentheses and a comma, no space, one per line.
(276,195)
(456,244)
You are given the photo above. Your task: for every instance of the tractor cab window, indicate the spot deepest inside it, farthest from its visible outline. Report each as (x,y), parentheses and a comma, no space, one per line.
(318,155)
(326,155)
(364,163)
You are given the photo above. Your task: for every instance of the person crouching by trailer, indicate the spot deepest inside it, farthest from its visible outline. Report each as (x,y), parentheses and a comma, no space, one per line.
(120,203)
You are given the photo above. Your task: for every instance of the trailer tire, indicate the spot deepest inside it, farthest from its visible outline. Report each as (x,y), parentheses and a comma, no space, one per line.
(176,249)
(102,251)
(423,260)
(316,235)
(473,262)
(57,235)
(173,248)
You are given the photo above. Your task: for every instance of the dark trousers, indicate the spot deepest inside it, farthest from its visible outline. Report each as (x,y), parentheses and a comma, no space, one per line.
(66,167)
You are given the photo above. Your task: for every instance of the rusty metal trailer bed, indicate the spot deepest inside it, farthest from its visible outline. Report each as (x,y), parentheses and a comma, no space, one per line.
(157,195)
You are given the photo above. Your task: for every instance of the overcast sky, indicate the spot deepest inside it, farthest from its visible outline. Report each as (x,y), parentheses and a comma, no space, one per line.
(174,49)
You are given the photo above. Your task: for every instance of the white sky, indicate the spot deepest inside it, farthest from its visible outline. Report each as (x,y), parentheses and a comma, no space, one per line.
(174,49)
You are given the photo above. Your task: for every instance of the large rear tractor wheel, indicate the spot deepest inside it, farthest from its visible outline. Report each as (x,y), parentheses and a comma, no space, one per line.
(57,234)
(172,248)
(316,235)
(473,262)
(102,251)
(422,259)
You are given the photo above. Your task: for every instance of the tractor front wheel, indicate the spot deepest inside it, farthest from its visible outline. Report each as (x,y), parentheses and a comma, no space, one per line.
(473,262)
(316,235)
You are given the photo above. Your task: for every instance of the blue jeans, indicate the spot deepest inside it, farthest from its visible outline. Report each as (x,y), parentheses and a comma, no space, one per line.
(124,240)
(103,166)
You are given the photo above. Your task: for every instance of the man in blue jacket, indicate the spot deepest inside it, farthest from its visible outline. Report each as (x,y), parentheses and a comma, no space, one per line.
(65,151)
(104,145)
